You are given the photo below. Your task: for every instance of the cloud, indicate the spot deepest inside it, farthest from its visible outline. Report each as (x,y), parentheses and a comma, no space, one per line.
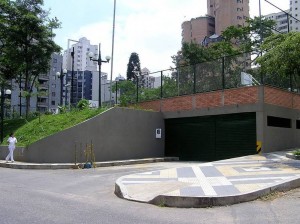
(149,28)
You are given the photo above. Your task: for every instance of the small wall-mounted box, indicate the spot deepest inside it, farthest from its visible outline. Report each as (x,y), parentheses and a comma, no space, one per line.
(158,132)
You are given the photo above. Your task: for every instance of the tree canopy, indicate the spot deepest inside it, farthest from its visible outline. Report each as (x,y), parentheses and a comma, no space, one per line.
(235,40)
(133,66)
(281,56)
(26,33)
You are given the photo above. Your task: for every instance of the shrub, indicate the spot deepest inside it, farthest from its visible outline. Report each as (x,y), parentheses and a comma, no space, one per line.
(83,104)
(296,152)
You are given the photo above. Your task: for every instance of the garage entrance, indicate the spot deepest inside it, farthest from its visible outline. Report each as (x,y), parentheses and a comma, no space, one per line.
(211,138)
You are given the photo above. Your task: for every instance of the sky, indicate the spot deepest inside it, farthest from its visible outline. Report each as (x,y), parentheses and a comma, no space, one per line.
(151,28)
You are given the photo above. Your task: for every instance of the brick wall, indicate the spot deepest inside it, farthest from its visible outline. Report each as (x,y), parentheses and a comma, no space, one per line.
(150,105)
(279,97)
(211,99)
(296,102)
(178,103)
(245,95)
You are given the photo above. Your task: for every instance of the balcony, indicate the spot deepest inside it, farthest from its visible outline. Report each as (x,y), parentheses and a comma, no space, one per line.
(43,77)
(42,104)
(43,86)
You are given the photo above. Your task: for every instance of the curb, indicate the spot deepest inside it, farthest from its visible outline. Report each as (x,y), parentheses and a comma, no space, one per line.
(54,166)
(203,202)
(292,156)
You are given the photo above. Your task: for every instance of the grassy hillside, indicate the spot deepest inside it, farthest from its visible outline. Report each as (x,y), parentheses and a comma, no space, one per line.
(31,131)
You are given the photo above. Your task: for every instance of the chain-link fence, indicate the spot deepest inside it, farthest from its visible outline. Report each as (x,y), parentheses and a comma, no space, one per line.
(223,73)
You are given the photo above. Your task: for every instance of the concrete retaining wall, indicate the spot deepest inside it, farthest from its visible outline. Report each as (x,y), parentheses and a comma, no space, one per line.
(117,134)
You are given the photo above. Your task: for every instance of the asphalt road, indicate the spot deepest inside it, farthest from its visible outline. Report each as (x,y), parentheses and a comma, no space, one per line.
(87,196)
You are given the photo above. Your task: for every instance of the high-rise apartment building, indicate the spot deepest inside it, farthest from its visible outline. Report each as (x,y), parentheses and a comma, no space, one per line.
(295,12)
(228,13)
(46,91)
(197,29)
(287,20)
(281,20)
(81,58)
(221,14)
(85,74)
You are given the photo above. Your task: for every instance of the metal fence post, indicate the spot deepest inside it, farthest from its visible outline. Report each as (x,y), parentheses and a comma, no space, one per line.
(291,82)
(223,72)
(116,92)
(137,89)
(161,84)
(194,71)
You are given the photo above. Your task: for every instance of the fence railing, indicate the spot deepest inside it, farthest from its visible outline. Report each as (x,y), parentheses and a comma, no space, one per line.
(223,73)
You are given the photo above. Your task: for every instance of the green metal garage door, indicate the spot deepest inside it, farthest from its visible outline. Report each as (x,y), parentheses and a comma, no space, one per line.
(211,137)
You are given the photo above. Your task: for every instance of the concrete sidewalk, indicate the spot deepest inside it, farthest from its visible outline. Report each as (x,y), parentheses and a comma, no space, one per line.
(213,184)
(24,165)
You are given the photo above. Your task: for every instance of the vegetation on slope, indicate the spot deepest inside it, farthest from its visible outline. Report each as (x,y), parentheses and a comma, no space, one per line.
(29,131)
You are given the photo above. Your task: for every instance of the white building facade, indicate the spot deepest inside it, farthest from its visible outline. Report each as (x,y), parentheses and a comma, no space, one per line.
(295,12)
(81,48)
(289,20)
(281,19)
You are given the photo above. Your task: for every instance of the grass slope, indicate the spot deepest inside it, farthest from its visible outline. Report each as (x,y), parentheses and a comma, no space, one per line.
(31,131)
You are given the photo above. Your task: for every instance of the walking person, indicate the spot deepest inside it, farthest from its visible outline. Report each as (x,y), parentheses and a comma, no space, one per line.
(11,147)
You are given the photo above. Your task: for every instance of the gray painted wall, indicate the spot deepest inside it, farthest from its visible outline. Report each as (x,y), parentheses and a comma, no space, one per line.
(116,134)
(272,138)
(276,138)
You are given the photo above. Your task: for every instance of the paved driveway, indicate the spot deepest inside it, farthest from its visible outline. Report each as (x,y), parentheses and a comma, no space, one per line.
(87,196)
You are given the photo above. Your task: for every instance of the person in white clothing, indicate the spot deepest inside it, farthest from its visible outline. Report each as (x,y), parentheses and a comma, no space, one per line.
(11,147)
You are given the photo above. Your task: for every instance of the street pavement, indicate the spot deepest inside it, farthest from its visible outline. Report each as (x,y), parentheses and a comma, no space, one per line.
(69,196)
(213,184)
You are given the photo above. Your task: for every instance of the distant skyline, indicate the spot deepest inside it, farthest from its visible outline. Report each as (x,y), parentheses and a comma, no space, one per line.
(149,28)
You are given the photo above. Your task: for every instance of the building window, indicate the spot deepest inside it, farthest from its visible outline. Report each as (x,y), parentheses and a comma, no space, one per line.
(298,124)
(53,94)
(53,102)
(279,122)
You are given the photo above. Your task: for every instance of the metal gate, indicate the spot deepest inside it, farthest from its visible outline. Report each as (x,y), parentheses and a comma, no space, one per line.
(211,138)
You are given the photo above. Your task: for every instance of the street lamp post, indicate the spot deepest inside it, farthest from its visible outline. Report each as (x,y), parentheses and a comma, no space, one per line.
(61,75)
(66,100)
(99,61)
(136,73)
(3,94)
(72,77)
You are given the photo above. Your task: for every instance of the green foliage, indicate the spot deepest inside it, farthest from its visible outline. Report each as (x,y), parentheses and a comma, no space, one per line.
(83,104)
(133,65)
(31,131)
(27,36)
(296,152)
(128,92)
(236,40)
(281,56)
(62,109)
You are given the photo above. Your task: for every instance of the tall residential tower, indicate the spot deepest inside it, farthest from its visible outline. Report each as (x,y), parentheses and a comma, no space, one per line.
(228,13)
(221,14)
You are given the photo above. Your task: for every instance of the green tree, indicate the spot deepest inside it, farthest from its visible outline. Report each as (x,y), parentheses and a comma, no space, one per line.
(133,66)
(281,57)
(8,66)
(29,40)
(127,92)
(236,40)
